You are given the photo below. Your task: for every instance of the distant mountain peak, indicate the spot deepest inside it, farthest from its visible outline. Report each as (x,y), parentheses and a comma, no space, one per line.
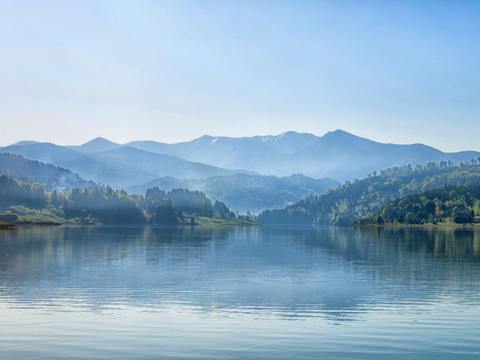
(25,143)
(292,133)
(287,135)
(98,144)
(99,140)
(204,139)
(342,137)
(339,133)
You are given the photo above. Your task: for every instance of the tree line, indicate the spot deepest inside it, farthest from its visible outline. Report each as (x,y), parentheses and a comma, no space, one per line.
(107,205)
(361,199)
(456,204)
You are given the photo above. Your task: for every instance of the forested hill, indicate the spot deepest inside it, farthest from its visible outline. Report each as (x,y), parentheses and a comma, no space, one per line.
(50,176)
(27,202)
(454,204)
(361,199)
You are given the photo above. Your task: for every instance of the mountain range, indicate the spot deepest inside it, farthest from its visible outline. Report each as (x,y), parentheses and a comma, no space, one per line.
(246,172)
(338,154)
(120,167)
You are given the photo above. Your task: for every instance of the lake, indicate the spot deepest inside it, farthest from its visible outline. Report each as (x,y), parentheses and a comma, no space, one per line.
(239,293)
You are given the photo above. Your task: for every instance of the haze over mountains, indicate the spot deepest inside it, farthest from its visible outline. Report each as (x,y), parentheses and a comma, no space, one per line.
(247,192)
(122,167)
(338,155)
(51,177)
(227,167)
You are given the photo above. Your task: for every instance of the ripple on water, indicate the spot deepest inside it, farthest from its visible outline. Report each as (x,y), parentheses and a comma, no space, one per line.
(331,293)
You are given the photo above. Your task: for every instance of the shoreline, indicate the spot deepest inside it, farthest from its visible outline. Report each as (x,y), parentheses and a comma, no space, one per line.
(421,226)
(202,223)
(7,226)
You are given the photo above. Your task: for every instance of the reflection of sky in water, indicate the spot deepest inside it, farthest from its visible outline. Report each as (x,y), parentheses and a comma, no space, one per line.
(264,287)
(334,271)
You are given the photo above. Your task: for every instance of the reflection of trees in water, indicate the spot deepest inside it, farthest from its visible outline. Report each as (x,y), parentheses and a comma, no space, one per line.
(373,244)
(331,271)
(50,261)
(432,258)
(37,246)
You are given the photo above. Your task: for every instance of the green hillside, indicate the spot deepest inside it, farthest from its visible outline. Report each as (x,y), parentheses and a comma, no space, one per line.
(362,199)
(26,203)
(451,204)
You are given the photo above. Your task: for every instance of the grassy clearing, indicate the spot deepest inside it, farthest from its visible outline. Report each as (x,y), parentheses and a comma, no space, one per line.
(219,222)
(47,216)
(51,216)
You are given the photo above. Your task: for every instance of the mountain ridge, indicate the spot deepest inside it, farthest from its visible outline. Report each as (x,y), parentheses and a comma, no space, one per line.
(50,176)
(120,167)
(337,154)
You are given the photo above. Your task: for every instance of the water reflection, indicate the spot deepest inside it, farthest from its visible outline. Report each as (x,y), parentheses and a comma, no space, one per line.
(335,273)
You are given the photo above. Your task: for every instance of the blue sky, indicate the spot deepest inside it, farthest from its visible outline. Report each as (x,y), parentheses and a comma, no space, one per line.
(393,71)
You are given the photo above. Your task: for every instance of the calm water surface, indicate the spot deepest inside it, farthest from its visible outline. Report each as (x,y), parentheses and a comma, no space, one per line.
(239,293)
